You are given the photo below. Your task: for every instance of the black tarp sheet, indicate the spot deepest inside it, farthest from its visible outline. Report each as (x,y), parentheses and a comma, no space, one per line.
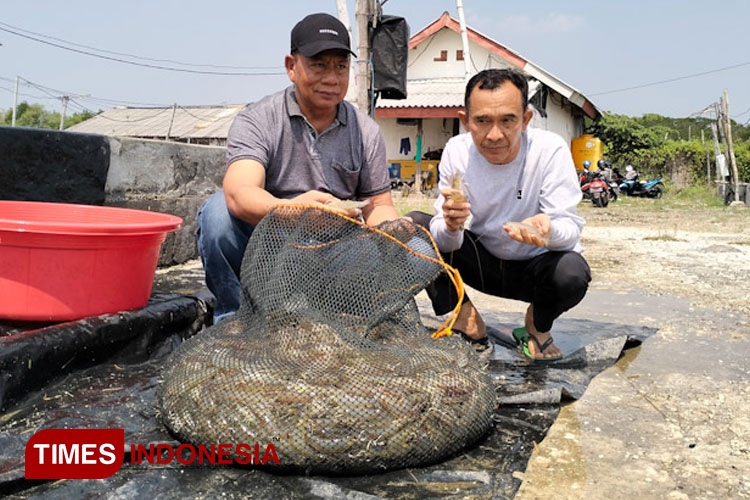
(390,54)
(116,389)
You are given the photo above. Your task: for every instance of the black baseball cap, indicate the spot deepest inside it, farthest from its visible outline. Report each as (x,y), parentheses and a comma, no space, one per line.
(319,32)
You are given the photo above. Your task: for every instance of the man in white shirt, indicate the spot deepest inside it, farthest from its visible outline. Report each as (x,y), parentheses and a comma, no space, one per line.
(510,173)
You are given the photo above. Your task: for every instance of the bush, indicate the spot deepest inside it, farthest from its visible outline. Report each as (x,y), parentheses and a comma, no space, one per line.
(652,145)
(683,163)
(742,155)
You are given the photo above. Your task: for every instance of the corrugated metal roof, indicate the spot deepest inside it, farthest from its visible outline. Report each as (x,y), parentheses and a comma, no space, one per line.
(432,93)
(188,123)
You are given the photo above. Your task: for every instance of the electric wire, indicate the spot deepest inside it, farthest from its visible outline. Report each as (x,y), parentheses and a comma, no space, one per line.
(420,54)
(144,65)
(159,112)
(77,105)
(217,119)
(58,94)
(133,56)
(669,80)
(12,91)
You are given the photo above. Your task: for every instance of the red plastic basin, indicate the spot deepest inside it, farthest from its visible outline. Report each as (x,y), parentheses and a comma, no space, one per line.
(60,261)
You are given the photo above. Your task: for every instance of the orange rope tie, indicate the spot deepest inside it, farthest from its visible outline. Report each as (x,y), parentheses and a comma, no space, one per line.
(453,274)
(455,277)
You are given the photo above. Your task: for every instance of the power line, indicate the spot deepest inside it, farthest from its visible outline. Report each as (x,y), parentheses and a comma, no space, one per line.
(43,89)
(743,113)
(423,51)
(57,94)
(671,79)
(12,91)
(133,56)
(711,108)
(221,118)
(144,65)
(90,98)
(115,119)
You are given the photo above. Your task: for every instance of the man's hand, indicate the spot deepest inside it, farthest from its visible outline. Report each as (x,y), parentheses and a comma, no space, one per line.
(455,212)
(536,234)
(314,197)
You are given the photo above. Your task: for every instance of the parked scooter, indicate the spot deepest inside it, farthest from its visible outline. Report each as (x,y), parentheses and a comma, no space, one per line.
(631,185)
(584,178)
(605,167)
(613,189)
(596,189)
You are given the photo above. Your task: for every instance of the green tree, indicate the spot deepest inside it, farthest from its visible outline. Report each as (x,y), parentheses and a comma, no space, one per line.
(657,146)
(35,115)
(742,155)
(621,135)
(20,109)
(78,118)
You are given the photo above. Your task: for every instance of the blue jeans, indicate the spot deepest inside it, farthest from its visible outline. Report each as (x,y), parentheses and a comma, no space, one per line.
(222,239)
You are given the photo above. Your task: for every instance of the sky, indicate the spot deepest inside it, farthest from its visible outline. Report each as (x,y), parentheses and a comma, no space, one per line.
(600,47)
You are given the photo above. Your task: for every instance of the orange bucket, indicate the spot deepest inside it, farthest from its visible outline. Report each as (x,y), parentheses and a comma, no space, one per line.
(61,262)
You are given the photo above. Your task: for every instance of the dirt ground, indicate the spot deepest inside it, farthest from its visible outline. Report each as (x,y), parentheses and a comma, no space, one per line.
(670,420)
(699,253)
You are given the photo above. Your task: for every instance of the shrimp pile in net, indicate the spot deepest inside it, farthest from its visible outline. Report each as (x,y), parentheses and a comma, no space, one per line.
(327,357)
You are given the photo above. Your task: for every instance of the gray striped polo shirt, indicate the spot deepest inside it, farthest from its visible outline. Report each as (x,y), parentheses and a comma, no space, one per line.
(346,160)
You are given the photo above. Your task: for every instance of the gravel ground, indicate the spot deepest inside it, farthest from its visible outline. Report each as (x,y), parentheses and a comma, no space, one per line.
(670,420)
(700,254)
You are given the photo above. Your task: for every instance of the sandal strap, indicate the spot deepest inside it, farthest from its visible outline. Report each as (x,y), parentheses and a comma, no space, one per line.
(540,346)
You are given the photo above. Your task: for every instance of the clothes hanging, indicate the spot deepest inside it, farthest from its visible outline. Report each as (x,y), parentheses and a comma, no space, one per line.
(405,146)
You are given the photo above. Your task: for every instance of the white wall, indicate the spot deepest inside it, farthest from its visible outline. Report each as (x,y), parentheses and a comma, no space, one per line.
(423,65)
(560,118)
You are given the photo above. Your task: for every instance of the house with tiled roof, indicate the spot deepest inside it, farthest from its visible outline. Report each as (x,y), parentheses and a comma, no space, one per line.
(436,85)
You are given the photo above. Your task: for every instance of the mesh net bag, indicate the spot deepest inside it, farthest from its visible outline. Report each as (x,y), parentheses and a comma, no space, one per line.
(327,357)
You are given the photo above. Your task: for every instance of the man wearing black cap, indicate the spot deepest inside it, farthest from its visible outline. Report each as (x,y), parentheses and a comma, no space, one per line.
(304,144)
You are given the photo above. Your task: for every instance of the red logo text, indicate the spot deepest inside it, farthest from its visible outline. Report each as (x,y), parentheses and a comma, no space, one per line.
(215,454)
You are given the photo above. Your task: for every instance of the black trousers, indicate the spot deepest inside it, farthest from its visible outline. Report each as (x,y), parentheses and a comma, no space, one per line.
(553,282)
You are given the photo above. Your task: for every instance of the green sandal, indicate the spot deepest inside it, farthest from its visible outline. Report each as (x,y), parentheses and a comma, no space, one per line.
(523,337)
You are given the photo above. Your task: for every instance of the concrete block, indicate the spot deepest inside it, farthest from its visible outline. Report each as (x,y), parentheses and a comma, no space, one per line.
(49,165)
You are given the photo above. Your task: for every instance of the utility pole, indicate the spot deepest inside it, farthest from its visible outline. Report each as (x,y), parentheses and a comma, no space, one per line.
(720,125)
(708,161)
(717,150)
(343,15)
(171,121)
(730,143)
(464,40)
(363,14)
(65,100)
(418,171)
(15,105)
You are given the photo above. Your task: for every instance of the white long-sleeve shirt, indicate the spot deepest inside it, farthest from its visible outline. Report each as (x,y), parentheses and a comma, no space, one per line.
(541,179)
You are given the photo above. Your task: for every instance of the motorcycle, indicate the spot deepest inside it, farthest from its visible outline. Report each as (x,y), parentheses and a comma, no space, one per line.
(613,186)
(596,189)
(584,178)
(614,189)
(652,188)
